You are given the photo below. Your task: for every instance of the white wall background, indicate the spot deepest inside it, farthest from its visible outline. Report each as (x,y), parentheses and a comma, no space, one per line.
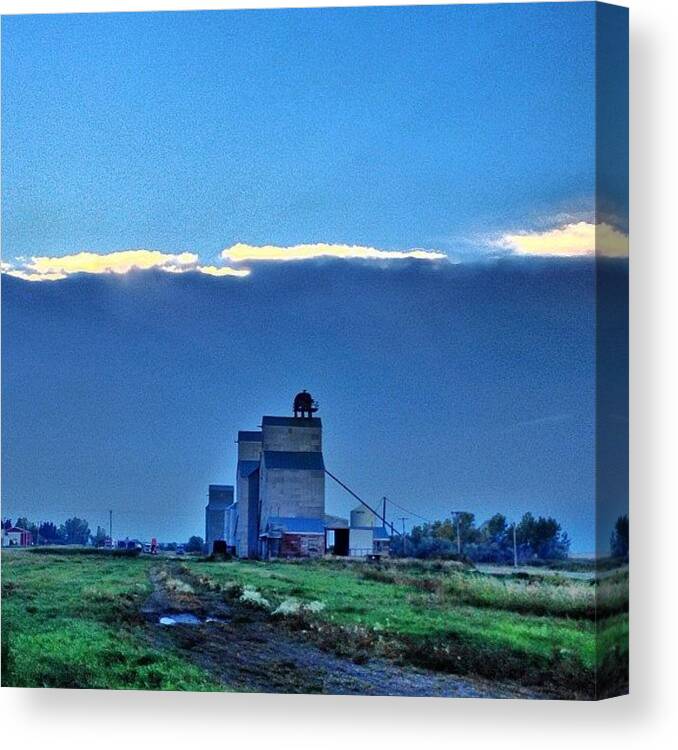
(647,719)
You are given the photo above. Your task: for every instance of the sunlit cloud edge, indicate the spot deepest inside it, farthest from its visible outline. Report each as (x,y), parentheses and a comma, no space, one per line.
(571,240)
(245,253)
(576,239)
(120,262)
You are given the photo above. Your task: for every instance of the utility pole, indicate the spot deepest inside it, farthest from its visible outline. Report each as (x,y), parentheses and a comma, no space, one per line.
(456,514)
(383,513)
(458,537)
(110,526)
(403,519)
(515,547)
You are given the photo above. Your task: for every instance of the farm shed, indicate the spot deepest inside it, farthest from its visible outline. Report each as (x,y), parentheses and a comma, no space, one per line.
(16,537)
(293,537)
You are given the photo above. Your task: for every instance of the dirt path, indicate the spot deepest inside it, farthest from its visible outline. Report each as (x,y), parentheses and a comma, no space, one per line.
(247,651)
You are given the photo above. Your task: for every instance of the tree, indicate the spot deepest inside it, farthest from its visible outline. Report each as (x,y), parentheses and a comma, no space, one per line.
(99,539)
(195,544)
(24,523)
(538,538)
(75,531)
(493,542)
(6,523)
(427,540)
(443,530)
(619,539)
(496,529)
(466,523)
(49,533)
(541,538)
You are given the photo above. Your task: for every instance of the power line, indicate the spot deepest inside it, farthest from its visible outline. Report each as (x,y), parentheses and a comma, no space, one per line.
(411,512)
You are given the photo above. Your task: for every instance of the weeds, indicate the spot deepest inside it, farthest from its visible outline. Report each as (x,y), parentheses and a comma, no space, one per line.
(253,598)
(537,629)
(552,595)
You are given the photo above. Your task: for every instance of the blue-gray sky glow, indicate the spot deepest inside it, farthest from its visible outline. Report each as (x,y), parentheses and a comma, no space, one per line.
(204,212)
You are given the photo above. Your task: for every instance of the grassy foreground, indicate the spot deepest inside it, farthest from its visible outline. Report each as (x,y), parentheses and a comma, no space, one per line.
(73,620)
(535,629)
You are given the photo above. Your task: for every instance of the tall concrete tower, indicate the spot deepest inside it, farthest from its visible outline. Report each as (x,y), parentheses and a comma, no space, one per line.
(292,482)
(220,498)
(246,534)
(280,485)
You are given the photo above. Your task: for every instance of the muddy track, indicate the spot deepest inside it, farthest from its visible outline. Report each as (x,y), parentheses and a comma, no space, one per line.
(248,651)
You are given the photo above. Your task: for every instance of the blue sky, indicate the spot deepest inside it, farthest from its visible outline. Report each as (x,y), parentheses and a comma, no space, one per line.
(365,159)
(394,128)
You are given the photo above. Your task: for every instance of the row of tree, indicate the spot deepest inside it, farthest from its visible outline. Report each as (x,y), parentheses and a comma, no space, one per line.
(493,541)
(76,531)
(497,541)
(72,531)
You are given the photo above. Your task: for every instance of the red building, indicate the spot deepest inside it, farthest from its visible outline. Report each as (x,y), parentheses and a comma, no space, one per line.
(16,537)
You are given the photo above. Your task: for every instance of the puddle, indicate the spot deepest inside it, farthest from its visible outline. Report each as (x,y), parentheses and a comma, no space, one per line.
(185,618)
(180,618)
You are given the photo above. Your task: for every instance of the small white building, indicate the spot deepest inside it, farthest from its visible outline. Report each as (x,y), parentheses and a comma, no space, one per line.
(364,536)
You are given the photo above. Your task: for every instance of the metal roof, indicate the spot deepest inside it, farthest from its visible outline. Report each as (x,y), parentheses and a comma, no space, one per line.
(245,468)
(249,436)
(298,525)
(335,522)
(292,421)
(297,460)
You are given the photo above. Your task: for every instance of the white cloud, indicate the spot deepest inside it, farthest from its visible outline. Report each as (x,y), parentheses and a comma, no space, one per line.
(46,268)
(241,252)
(26,276)
(223,271)
(573,239)
(581,238)
(54,268)
(122,261)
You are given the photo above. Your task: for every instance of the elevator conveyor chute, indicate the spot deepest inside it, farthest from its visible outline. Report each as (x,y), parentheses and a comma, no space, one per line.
(360,500)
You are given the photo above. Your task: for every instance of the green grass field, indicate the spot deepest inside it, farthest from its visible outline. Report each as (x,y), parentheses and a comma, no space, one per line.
(539,630)
(73,620)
